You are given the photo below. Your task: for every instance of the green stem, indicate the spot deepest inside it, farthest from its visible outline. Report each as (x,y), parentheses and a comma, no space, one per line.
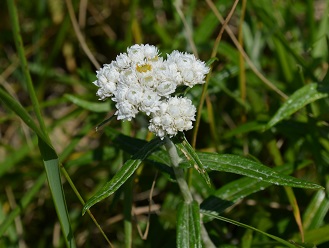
(175,160)
(20,50)
(128,196)
(127,207)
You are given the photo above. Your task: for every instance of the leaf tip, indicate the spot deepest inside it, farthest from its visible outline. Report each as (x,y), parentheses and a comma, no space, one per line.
(84,209)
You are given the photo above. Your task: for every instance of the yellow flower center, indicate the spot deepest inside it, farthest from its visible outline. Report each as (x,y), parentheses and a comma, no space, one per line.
(143,68)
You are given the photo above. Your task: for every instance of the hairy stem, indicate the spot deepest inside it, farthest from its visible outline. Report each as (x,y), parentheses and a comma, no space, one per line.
(175,160)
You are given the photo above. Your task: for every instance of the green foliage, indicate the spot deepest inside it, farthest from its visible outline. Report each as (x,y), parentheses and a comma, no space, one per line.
(188,225)
(252,144)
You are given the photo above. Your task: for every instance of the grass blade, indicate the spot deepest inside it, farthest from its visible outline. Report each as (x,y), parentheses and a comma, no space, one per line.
(282,241)
(51,163)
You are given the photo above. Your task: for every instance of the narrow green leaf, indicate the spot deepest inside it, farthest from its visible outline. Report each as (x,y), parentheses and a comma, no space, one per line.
(92,106)
(192,157)
(246,167)
(51,163)
(124,173)
(282,241)
(227,195)
(316,211)
(188,225)
(305,95)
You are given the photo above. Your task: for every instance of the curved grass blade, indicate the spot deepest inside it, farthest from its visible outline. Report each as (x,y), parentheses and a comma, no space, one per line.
(92,106)
(282,241)
(123,174)
(305,95)
(188,225)
(246,167)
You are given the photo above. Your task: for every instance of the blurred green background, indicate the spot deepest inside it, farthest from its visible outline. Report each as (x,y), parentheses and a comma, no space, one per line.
(286,41)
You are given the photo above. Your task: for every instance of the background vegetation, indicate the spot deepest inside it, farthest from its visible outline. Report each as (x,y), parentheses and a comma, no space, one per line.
(285,41)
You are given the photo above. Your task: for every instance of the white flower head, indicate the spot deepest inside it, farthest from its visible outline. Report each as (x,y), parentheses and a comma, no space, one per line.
(151,52)
(192,70)
(126,110)
(107,78)
(142,81)
(150,102)
(175,115)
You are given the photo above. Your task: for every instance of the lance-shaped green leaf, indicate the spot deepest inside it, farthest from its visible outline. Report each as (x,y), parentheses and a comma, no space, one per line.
(188,225)
(246,167)
(92,106)
(192,157)
(227,195)
(123,174)
(305,95)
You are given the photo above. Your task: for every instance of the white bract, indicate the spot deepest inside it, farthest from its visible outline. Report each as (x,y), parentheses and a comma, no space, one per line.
(142,81)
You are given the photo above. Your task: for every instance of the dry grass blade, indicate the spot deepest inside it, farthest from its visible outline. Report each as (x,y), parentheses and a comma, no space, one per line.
(241,50)
(79,35)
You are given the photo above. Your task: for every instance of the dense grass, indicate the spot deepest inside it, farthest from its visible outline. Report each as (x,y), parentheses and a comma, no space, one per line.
(286,52)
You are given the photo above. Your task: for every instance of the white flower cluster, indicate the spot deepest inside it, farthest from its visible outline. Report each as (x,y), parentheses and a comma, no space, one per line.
(141,80)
